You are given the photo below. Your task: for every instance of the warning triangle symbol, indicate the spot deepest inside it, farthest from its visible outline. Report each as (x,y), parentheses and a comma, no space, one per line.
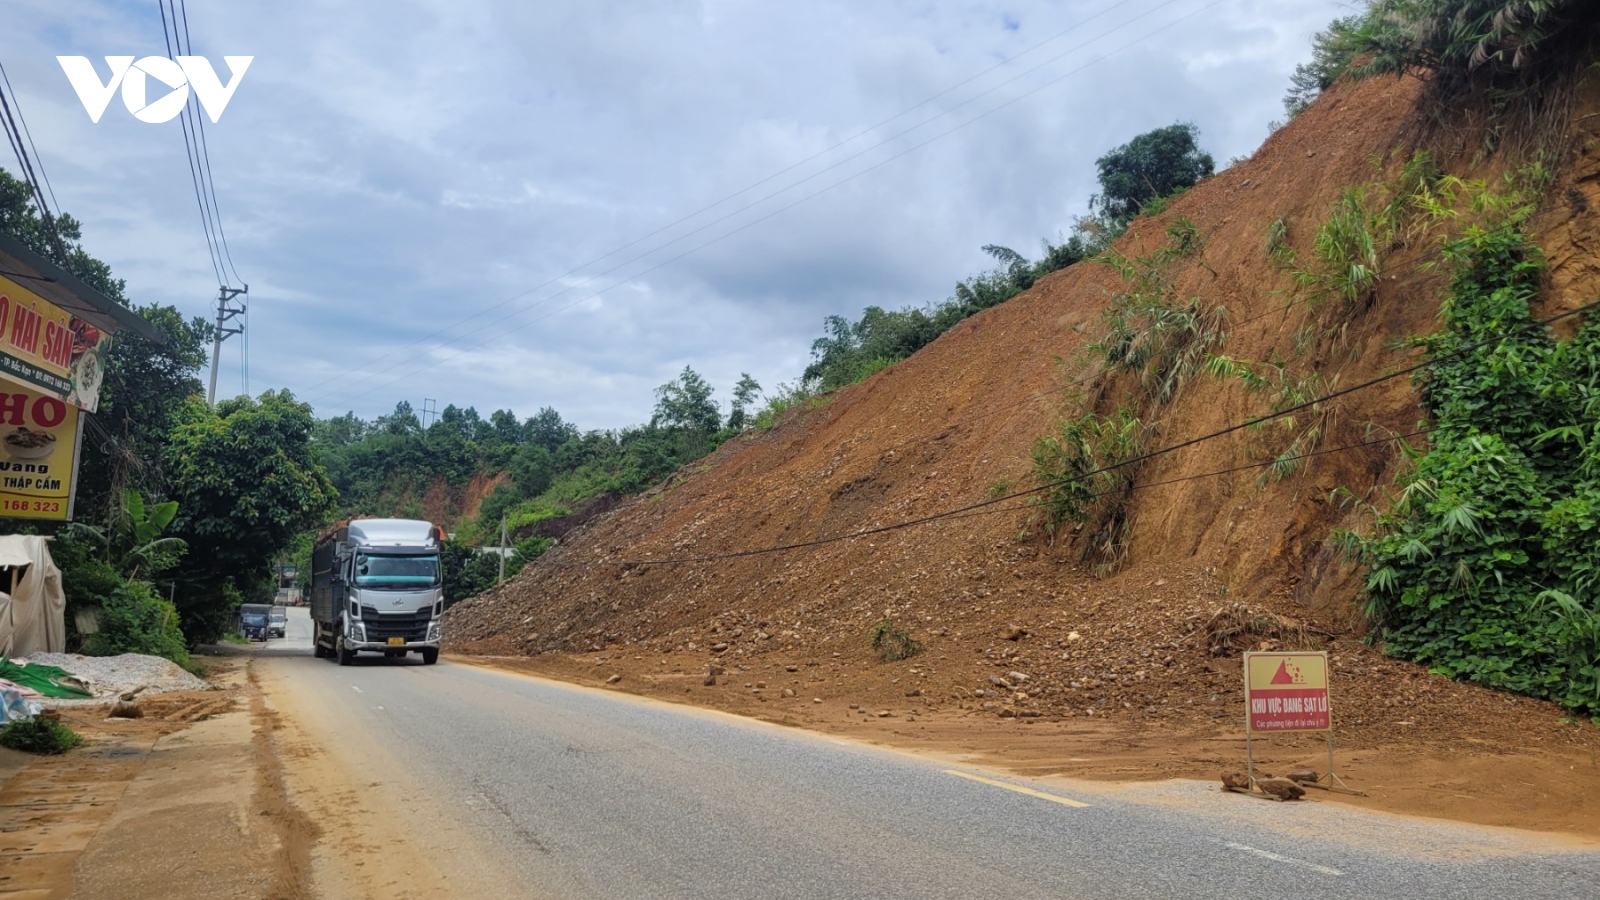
(1282,676)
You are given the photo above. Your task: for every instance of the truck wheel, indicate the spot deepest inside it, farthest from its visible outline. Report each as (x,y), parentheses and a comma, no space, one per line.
(346,655)
(430,655)
(317,650)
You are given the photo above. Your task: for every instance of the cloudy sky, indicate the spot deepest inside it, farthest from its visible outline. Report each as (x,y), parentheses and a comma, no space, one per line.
(564,202)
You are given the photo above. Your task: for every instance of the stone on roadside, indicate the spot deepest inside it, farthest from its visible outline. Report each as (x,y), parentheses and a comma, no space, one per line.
(1304,775)
(1280,788)
(613,679)
(1235,781)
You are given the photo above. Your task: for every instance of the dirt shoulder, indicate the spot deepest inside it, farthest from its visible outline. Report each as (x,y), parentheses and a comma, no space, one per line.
(185,801)
(1533,770)
(388,837)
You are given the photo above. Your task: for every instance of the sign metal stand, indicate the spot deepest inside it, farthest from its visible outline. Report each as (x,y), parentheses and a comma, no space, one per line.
(1287,692)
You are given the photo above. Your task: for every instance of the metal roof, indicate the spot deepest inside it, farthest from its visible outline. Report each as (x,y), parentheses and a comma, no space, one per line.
(57,285)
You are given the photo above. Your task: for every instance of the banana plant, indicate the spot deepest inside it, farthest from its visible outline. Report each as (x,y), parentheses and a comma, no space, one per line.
(133,542)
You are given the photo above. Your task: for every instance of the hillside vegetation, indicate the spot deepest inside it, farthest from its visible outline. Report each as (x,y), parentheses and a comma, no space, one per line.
(1312,402)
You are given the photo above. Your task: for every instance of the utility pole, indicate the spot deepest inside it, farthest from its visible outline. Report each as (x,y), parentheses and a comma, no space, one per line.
(225,313)
(501,578)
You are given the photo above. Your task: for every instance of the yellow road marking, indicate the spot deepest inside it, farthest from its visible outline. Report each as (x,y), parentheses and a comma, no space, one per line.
(1019,789)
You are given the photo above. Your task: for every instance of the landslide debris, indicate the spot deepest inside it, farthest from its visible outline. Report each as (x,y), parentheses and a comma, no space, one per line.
(1022,627)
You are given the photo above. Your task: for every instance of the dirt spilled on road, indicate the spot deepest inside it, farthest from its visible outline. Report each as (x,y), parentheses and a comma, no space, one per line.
(1482,770)
(186,800)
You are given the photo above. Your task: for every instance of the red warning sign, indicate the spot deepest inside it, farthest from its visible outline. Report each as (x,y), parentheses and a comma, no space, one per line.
(1286,691)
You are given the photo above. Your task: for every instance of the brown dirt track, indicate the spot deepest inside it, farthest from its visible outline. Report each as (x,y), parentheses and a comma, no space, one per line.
(1146,688)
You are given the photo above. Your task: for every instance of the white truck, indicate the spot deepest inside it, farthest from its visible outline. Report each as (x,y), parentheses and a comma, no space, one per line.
(377,585)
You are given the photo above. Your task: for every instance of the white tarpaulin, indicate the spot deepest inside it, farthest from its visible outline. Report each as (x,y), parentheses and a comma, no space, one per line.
(33,615)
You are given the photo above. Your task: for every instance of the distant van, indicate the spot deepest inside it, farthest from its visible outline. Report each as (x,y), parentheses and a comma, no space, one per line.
(277,621)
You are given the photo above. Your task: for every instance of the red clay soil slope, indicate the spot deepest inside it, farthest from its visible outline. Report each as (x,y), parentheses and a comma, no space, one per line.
(1216,563)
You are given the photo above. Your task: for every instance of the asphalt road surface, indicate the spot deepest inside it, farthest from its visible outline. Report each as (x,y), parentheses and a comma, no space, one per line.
(579,792)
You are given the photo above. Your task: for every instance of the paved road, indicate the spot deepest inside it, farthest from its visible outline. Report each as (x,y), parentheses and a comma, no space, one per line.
(585,793)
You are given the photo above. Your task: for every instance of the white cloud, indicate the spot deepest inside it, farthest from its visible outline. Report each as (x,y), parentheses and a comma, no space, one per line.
(390,167)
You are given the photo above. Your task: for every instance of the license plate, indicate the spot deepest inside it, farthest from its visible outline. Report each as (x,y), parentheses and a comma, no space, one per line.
(397,642)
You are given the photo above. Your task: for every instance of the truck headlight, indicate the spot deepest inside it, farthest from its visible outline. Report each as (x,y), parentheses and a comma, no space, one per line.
(356,632)
(433,632)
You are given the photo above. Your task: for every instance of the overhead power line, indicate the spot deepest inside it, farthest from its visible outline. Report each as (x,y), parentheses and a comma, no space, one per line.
(781,172)
(38,161)
(1132,461)
(232,302)
(192,111)
(168,34)
(413,368)
(20,140)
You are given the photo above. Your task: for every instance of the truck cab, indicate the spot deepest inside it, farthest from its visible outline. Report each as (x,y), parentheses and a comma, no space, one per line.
(377,586)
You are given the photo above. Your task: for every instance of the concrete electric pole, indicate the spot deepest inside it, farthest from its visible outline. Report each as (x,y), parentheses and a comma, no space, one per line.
(225,313)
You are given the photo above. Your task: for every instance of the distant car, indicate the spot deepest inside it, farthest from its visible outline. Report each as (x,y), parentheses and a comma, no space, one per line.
(277,622)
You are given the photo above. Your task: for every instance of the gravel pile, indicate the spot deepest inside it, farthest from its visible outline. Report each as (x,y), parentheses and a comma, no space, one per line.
(108,676)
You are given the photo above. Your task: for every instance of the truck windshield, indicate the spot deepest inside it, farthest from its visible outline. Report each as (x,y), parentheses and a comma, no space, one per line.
(396,571)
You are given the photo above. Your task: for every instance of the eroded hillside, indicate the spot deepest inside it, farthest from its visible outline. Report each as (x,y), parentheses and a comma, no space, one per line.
(1211,563)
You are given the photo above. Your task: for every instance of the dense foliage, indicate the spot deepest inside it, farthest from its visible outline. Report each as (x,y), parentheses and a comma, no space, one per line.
(1153,165)
(1493,49)
(545,464)
(1486,565)
(246,482)
(160,474)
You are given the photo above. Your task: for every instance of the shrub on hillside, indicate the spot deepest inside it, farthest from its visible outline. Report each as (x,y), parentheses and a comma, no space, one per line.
(133,619)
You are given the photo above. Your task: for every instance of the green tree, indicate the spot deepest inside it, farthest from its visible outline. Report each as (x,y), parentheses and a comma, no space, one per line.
(685,402)
(532,468)
(246,480)
(402,421)
(1331,53)
(745,394)
(548,430)
(1153,165)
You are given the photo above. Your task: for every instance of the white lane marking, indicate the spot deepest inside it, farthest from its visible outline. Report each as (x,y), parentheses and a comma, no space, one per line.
(1265,854)
(1017,788)
(356,689)
(378,707)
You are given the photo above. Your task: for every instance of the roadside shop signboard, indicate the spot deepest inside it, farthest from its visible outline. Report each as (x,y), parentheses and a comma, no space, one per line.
(39,439)
(49,349)
(1286,692)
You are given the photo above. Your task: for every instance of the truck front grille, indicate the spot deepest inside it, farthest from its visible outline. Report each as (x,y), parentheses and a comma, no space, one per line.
(413,626)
